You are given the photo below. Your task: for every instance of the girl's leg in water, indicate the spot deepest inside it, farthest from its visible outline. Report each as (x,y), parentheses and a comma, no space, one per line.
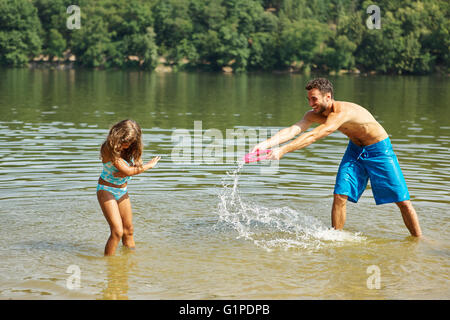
(111,212)
(127,221)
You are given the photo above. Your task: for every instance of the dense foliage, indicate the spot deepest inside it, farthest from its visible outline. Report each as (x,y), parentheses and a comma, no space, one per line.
(245,35)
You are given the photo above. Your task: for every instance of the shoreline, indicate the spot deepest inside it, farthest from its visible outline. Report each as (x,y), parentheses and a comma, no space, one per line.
(163,67)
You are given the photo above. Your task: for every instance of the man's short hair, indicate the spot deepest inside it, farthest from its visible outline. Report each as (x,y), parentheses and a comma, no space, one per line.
(324,86)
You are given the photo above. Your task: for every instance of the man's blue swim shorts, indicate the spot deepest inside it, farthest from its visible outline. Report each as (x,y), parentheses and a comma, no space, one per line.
(376,162)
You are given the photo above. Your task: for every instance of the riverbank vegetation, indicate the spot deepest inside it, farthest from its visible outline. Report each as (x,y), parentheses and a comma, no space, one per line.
(231,35)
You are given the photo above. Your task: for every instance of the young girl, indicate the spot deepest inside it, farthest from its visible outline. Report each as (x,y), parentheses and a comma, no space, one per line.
(121,156)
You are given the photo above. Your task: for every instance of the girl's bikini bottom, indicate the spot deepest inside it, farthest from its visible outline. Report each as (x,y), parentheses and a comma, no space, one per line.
(118,193)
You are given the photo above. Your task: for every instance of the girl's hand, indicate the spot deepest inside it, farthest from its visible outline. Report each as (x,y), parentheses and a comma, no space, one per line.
(138,169)
(153,162)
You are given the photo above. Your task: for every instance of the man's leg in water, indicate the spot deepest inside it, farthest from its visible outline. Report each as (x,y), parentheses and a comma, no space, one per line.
(410,218)
(338,212)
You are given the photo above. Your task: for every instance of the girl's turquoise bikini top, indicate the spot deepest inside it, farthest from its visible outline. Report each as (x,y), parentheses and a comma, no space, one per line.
(107,174)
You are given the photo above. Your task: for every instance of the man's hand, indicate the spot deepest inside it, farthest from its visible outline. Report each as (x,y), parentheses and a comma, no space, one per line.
(276,154)
(260,146)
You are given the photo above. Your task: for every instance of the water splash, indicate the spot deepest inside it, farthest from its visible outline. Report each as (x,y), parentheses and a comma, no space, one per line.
(274,228)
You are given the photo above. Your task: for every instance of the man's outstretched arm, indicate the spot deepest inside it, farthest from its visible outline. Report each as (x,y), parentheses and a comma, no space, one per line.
(285,134)
(333,122)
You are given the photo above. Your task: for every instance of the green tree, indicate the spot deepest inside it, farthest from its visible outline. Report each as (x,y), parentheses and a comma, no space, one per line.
(112,32)
(143,46)
(263,51)
(339,55)
(236,33)
(172,25)
(400,46)
(56,44)
(134,35)
(327,35)
(55,35)
(302,41)
(436,36)
(92,43)
(19,32)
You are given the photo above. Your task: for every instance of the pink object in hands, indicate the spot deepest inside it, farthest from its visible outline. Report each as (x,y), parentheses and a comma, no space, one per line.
(254,156)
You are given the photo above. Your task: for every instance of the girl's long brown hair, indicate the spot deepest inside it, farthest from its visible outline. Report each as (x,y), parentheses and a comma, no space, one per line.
(125,131)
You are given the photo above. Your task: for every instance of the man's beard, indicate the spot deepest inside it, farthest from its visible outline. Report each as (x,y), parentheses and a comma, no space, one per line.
(321,109)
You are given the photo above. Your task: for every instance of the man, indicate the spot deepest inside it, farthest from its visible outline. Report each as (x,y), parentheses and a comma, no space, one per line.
(369,154)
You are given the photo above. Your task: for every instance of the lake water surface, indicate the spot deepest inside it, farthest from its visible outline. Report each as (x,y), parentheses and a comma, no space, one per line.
(206,226)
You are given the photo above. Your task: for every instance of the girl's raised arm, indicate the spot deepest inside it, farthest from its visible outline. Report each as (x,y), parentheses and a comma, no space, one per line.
(127,170)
